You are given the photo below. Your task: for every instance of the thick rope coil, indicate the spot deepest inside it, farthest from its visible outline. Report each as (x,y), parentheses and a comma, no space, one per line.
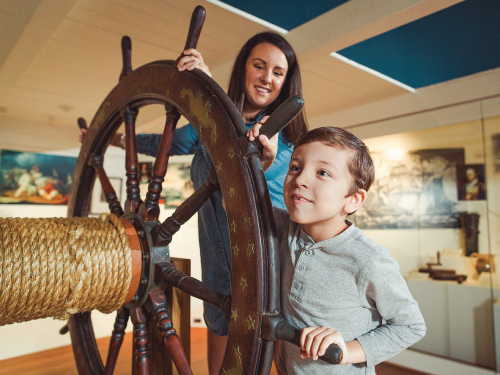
(60,266)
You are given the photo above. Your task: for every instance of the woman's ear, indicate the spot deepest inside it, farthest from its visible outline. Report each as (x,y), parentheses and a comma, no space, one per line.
(355,201)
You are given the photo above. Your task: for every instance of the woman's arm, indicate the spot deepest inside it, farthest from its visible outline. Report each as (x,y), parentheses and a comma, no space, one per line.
(184,142)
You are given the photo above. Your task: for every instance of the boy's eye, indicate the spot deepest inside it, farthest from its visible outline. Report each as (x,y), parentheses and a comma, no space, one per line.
(324,173)
(294,168)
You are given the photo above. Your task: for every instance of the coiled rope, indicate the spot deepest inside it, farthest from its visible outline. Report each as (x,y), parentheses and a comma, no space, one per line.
(60,266)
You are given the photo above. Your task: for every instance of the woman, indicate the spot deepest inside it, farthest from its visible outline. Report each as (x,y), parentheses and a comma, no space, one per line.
(264,75)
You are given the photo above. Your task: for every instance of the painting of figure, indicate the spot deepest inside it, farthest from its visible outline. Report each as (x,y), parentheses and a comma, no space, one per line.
(32,178)
(470,182)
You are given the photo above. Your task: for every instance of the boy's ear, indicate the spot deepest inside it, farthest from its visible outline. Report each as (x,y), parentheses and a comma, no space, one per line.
(355,201)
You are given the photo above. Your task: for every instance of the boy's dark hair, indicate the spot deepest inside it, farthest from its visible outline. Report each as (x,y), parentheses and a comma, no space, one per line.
(292,85)
(360,165)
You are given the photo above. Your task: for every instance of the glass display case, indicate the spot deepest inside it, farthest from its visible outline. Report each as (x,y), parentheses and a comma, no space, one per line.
(434,204)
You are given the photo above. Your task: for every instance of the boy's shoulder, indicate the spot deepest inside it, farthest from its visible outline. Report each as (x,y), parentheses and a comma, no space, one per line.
(367,244)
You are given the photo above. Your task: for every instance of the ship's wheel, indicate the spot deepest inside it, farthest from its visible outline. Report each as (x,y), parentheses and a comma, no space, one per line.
(236,172)
(253,307)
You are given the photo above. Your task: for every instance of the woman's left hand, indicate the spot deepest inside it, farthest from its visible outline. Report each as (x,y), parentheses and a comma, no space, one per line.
(253,133)
(270,145)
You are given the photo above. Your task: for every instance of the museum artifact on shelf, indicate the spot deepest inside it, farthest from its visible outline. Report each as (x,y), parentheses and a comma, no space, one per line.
(440,273)
(469,222)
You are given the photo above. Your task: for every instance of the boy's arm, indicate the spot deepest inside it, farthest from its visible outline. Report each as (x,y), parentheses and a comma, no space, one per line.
(385,288)
(315,340)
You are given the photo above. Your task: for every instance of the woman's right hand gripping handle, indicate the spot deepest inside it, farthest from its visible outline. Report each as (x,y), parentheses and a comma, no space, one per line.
(190,58)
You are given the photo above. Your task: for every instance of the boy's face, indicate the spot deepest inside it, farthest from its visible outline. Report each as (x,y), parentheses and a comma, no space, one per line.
(315,190)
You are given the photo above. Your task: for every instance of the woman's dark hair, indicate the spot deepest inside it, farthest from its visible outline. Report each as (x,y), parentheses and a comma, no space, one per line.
(291,87)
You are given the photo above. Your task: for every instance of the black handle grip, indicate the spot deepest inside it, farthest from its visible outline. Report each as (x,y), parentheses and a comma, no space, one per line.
(197,20)
(82,124)
(285,331)
(285,113)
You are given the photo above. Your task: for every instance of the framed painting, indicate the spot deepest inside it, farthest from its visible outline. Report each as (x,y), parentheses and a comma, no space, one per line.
(177,185)
(145,170)
(416,189)
(32,178)
(470,182)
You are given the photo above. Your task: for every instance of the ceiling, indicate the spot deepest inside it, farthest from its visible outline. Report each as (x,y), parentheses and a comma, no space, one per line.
(59,59)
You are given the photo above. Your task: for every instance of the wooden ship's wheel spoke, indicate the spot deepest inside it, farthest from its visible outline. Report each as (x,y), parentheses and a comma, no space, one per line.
(151,209)
(116,340)
(142,358)
(132,162)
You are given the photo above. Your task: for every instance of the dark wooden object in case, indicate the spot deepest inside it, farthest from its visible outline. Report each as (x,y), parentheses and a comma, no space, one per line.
(442,274)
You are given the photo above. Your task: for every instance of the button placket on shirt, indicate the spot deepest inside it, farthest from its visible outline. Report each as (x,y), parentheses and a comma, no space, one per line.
(299,276)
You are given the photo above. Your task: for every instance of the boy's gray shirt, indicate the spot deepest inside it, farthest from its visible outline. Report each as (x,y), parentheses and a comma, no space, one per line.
(349,283)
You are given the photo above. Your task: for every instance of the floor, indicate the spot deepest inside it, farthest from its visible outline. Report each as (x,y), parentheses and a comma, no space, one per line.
(60,361)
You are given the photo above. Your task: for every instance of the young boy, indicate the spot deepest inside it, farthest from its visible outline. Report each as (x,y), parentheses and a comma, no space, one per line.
(334,280)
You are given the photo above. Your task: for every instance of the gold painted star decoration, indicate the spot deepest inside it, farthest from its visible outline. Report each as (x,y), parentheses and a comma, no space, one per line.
(250,248)
(250,322)
(243,283)
(247,222)
(236,250)
(233,226)
(234,314)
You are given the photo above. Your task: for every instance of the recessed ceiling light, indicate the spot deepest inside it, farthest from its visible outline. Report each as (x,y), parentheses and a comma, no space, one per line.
(371,71)
(248,16)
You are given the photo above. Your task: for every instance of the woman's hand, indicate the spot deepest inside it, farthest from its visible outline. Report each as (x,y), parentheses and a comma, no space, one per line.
(81,136)
(253,133)
(315,340)
(270,145)
(192,60)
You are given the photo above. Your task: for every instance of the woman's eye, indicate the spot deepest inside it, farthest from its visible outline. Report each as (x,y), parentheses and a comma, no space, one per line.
(258,66)
(278,73)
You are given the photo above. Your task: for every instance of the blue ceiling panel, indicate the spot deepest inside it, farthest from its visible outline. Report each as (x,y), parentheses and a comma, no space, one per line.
(458,41)
(287,14)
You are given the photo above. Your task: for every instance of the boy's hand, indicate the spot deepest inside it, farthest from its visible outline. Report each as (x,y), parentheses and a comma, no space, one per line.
(270,145)
(315,340)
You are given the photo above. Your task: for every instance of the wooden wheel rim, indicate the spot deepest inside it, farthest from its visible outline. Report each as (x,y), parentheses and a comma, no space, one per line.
(243,186)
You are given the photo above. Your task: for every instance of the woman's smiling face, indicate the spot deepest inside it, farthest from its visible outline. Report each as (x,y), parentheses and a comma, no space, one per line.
(266,70)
